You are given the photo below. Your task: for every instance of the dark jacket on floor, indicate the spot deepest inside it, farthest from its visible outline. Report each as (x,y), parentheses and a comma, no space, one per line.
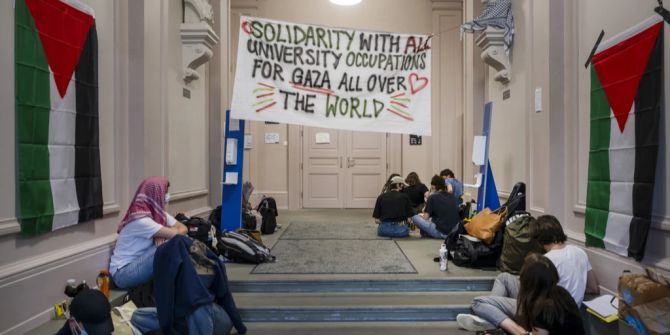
(179,290)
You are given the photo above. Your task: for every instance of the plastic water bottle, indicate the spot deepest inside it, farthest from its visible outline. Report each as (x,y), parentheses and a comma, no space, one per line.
(443,257)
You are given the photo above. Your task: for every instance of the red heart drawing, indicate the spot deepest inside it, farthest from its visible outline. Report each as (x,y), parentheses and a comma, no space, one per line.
(420,82)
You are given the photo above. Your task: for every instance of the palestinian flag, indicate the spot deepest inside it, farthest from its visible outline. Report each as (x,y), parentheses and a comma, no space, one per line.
(626,105)
(57,152)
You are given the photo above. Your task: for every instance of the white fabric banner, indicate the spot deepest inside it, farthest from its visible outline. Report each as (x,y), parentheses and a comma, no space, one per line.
(332,77)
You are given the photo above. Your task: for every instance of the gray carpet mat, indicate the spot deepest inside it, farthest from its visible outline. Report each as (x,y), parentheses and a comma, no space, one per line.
(335,257)
(298,230)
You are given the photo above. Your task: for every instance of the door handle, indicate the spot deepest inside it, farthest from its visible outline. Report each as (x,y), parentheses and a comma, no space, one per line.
(351,162)
(340,162)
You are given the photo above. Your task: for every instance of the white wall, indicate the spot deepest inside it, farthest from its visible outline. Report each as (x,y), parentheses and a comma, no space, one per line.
(549,150)
(146,128)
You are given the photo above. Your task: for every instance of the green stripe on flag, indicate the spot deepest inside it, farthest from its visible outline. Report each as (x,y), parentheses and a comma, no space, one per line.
(35,205)
(598,190)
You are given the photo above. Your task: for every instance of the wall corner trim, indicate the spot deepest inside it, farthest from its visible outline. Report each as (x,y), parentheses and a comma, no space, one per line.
(9,226)
(24,267)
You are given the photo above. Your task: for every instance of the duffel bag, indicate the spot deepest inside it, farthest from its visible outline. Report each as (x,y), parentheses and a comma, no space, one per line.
(243,249)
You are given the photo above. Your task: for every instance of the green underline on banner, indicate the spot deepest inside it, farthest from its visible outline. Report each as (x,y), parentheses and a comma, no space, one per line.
(399,110)
(262,102)
(262,89)
(402,99)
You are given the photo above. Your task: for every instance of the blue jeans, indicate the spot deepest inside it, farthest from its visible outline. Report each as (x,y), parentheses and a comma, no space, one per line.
(501,304)
(136,272)
(428,227)
(207,320)
(393,229)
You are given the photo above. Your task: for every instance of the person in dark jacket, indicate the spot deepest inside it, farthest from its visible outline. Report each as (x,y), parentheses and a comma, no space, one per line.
(90,313)
(190,283)
(392,210)
(441,213)
(416,191)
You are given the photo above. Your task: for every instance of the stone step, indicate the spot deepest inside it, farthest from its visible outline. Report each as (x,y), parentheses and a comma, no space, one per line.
(358,328)
(365,285)
(353,307)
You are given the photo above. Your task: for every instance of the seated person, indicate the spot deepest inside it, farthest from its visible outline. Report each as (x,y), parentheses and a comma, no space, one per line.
(544,307)
(90,313)
(195,297)
(454,186)
(387,185)
(392,210)
(145,226)
(416,190)
(571,262)
(441,213)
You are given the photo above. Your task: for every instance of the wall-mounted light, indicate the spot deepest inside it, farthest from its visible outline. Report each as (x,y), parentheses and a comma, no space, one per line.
(345,2)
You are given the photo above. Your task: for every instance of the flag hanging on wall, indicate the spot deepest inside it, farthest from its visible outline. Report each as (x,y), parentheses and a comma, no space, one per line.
(58,179)
(626,105)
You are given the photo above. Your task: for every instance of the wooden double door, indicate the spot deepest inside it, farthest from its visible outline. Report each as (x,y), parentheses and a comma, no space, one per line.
(342,168)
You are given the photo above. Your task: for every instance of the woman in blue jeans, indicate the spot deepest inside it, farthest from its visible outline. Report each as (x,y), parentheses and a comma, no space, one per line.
(393,209)
(145,226)
(441,213)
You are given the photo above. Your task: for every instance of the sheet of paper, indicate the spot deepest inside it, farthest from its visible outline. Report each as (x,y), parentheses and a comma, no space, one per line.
(248,141)
(603,305)
(271,138)
(231,178)
(322,138)
(479,150)
(234,125)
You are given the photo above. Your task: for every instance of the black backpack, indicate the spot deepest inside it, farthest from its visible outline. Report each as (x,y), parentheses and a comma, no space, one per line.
(268,210)
(475,254)
(142,296)
(198,229)
(243,249)
(215,220)
(516,200)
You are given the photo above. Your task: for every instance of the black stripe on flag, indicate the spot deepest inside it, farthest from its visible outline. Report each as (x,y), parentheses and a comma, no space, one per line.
(88,177)
(648,106)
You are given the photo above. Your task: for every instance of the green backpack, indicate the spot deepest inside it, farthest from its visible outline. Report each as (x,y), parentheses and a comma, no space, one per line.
(517,243)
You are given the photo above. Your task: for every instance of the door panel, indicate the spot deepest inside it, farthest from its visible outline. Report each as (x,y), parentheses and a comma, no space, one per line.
(347,172)
(322,170)
(365,168)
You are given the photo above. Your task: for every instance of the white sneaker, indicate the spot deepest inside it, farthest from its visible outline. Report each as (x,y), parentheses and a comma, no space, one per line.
(473,323)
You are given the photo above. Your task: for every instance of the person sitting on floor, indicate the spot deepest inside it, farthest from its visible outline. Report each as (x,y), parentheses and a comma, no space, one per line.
(90,313)
(571,262)
(392,210)
(441,213)
(195,295)
(543,305)
(145,226)
(454,186)
(416,191)
(387,185)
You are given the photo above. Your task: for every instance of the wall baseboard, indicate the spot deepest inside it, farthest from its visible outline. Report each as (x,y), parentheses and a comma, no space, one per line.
(49,272)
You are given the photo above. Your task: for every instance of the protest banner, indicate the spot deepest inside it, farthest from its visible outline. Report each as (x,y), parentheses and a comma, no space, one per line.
(332,77)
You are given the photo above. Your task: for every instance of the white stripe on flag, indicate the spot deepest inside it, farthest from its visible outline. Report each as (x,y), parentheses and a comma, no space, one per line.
(62,121)
(622,177)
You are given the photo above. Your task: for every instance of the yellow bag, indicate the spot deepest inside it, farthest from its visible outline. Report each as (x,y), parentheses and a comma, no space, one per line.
(485,224)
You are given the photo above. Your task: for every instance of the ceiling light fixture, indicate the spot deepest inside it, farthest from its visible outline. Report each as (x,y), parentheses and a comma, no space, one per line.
(345,2)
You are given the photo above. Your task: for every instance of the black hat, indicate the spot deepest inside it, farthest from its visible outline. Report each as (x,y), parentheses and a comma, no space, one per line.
(91,308)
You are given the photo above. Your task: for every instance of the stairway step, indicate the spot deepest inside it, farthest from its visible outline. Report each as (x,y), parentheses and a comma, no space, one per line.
(365,285)
(358,328)
(313,307)
(382,299)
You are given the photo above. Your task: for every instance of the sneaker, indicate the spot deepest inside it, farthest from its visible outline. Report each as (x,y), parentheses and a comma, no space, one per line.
(473,323)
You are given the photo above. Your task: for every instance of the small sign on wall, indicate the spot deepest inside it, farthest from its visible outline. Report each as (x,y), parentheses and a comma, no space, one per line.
(415,140)
(322,138)
(186,93)
(271,138)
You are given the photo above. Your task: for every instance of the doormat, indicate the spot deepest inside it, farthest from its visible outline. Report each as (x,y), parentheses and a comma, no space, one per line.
(364,230)
(336,256)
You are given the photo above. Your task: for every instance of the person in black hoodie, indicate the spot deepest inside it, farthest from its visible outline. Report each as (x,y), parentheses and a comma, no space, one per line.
(190,284)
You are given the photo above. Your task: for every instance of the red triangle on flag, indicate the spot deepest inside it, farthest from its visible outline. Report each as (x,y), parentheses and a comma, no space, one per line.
(620,69)
(63,30)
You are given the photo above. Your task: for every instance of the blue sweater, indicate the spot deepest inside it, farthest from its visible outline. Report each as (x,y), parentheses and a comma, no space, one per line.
(179,290)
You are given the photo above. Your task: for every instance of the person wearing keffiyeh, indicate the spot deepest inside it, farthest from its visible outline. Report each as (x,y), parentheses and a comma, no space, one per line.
(144,227)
